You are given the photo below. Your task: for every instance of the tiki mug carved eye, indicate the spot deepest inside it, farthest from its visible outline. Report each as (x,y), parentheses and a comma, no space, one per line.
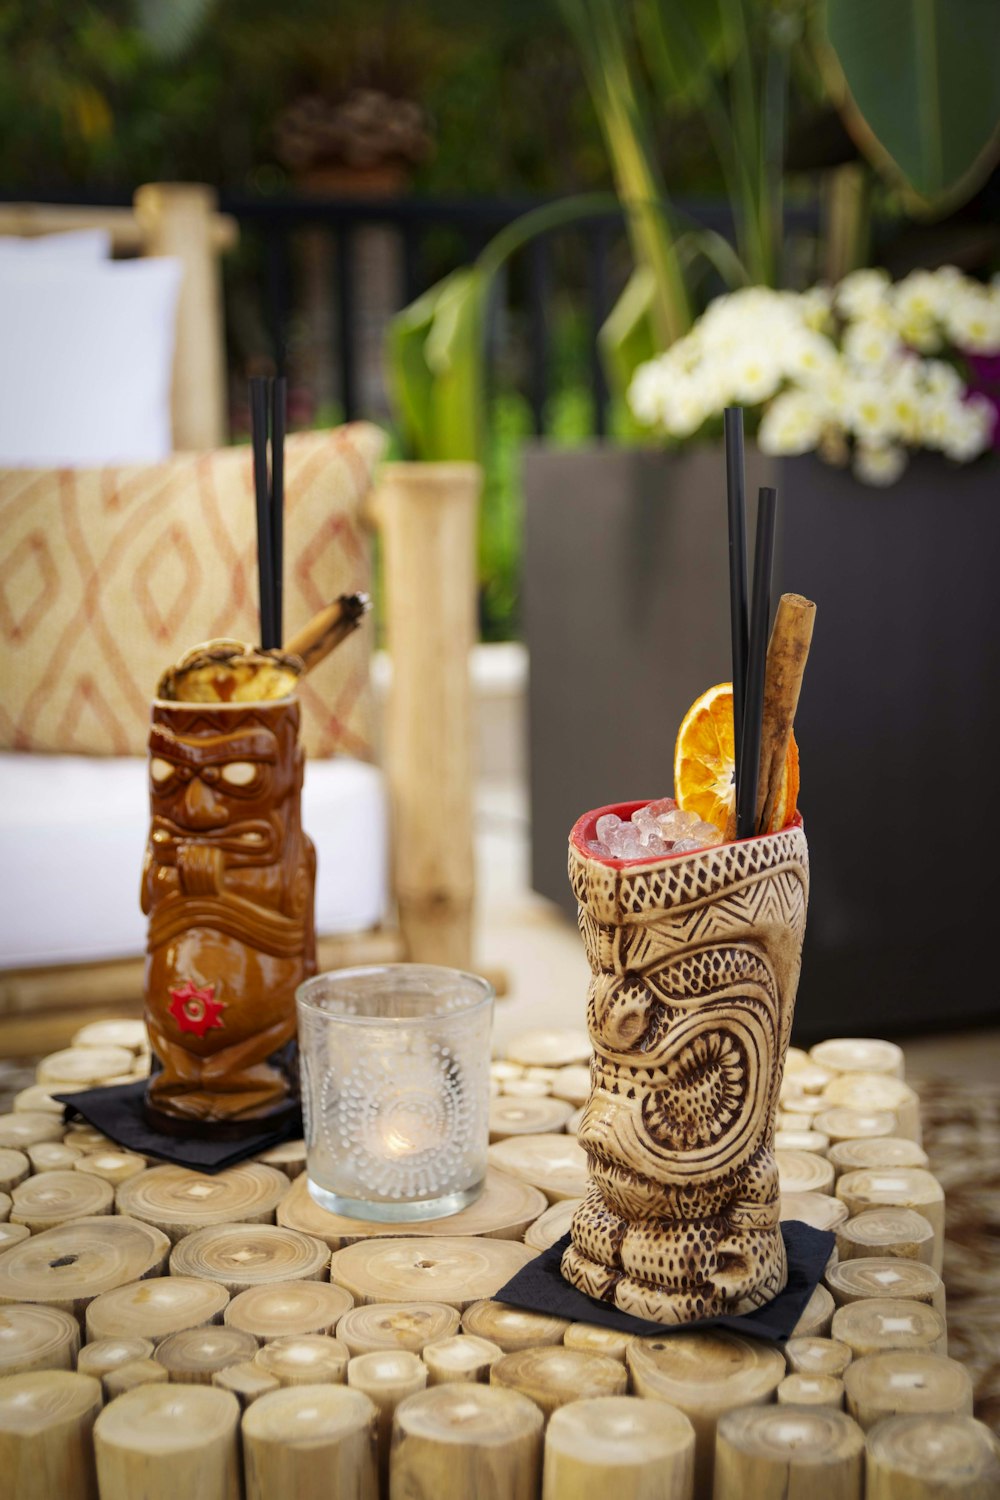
(239,772)
(161,771)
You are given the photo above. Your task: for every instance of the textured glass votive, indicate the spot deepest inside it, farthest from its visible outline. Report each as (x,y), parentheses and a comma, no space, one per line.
(395,1089)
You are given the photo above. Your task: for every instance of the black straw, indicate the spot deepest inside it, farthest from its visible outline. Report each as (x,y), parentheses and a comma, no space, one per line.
(279,409)
(760,621)
(738,608)
(265,550)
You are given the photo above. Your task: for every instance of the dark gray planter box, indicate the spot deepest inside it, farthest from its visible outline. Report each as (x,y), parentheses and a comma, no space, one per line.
(626,621)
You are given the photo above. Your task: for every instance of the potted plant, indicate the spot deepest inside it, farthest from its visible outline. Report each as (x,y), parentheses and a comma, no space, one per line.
(624,559)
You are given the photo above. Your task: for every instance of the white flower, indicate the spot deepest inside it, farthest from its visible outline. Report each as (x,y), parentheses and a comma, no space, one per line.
(965,428)
(869,412)
(793,423)
(809,357)
(754,373)
(815,308)
(940,379)
(870,346)
(862,294)
(878,465)
(972,318)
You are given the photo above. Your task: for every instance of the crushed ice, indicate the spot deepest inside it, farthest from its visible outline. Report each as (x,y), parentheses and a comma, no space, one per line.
(658,828)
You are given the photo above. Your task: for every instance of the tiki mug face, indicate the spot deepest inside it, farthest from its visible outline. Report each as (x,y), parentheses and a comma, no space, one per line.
(695,962)
(227,885)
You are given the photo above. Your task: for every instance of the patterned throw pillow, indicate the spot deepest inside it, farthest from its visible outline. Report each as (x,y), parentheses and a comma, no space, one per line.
(108,575)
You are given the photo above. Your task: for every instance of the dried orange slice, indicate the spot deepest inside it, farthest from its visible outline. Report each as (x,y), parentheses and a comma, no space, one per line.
(705,763)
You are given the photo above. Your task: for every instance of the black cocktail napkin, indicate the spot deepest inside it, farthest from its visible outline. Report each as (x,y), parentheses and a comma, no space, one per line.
(118,1113)
(541,1288)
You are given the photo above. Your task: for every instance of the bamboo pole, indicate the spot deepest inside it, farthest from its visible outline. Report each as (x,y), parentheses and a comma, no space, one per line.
(553,1376)
(68,1267)
(898,1187)
(155,1308)
(469,1441)
(555,1163)
(552,1224)
(52,1198)
(104,1355)
(311,1443)
(788,1453)
(162,1442)
(239,1256)
(304,1359)
(885,1276)
(811,1390)
(843,1122)
(46,1435)
(898,1232)
(115,1167)
(618,1446)
(387,1378)
(288,1307)
(875,1324)
(52,1156)
(503,1211)
(29,1127)
(86,1067)
(930,1457)
(247,1381)
(462,1358)
(821,1210)
(127,1377)
(525,1116)
(194,1354)
(817,1356)
(816,1316)
(513,1328)
(593,1339)
(426,514)
(458,1271)
(902,1382)
(704,1375)
(179,1201)
(870,1092)
(37,1338)
(859,1055)
(178,220)
(396,1325)
(803,1172)
(15,1166)
(875,1154)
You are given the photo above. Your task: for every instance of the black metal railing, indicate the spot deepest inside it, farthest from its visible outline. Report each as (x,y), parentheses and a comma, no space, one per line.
(584,261)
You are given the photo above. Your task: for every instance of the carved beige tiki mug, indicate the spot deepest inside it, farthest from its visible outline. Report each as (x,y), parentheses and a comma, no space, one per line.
(228,888)
(695,961)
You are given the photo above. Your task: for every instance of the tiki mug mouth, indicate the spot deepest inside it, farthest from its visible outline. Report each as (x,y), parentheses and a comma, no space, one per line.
(584,833)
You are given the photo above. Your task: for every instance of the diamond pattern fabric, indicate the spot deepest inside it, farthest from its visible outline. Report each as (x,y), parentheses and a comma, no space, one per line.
(108,575)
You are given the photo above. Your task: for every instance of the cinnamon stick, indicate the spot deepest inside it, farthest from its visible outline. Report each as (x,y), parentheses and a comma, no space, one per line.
(787,653)
(325,631)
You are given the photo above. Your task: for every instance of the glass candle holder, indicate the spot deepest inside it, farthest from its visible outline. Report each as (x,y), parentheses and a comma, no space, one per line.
(395,1089)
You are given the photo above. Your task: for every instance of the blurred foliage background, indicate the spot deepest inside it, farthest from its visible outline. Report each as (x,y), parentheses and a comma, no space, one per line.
(491,101)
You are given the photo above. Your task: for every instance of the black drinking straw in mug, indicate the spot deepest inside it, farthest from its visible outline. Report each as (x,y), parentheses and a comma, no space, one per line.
(279,407)
(738,609)
(265,535)
(760,621)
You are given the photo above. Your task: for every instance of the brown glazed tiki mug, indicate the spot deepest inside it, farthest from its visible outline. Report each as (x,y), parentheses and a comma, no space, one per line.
(227,885)
(695,961)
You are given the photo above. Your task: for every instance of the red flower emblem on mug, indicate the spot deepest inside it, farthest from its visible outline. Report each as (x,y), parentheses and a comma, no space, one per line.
(195,1009)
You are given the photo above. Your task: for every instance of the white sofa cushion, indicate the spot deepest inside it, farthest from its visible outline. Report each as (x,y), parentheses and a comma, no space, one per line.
(87,245)
(85,360)
(72,833)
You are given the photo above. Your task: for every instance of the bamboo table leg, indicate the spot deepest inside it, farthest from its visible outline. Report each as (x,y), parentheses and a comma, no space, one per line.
(932,1458)
(469,1441)
(621,1447)
(46,1435)
(788,1453)
(310,1442)
(169,1442)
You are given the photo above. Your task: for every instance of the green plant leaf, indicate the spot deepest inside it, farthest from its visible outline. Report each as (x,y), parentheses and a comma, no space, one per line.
(685,43)
(918,85)
(627,338)
(434,365)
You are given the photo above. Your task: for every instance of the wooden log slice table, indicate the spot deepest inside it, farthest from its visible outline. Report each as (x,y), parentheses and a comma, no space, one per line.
(231,1311)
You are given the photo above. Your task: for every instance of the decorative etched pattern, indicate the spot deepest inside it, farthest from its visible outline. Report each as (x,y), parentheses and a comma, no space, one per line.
(695,963)
(110,574)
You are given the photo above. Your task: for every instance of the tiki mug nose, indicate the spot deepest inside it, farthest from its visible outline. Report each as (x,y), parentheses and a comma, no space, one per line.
(201,807)
(622,1005)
